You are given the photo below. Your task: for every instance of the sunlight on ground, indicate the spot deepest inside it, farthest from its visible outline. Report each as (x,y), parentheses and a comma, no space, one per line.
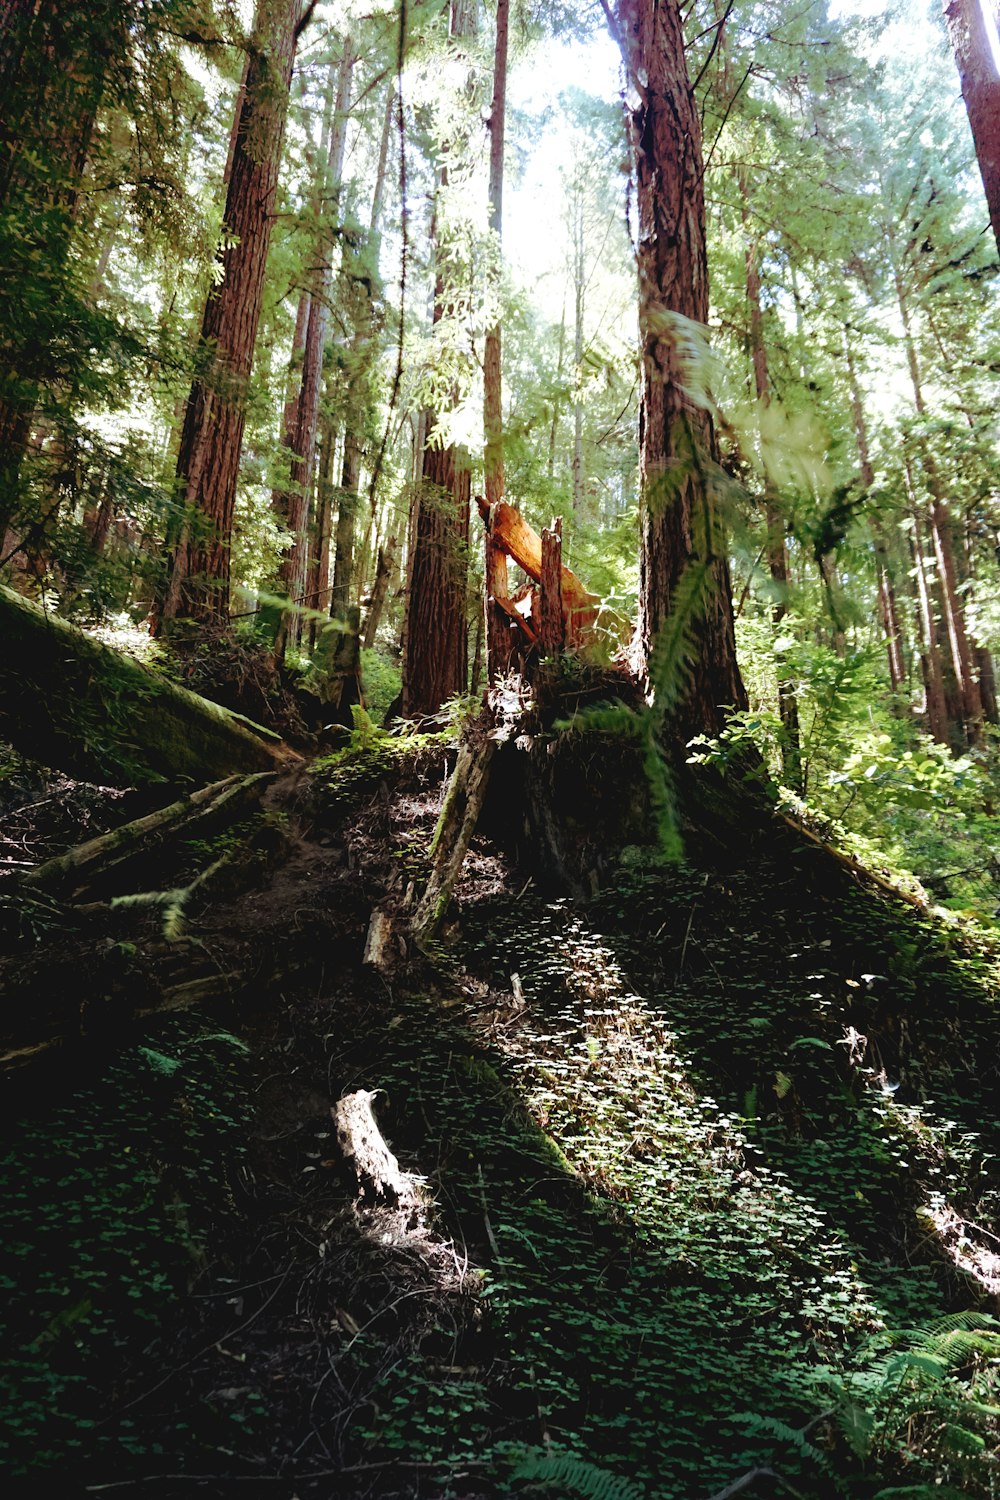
(962,1241)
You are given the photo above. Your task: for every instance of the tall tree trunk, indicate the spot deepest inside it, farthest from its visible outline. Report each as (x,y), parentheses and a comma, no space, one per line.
(436,663)
(435,647)
(777,551)
(685,600)
(498,645)
(579,272)
(293,570)
(930,657)
(981,91)
(212,435)
(941,534)
(343,565)
(886,589)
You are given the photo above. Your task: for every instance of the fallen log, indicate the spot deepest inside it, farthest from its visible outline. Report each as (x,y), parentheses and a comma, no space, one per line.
(94,1022)
(76,705)
(511,533)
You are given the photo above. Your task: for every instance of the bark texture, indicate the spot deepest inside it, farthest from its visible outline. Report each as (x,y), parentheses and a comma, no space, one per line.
(684,571)
(498,642)
(981,92)
(436,664)
(212,435)
(435,647)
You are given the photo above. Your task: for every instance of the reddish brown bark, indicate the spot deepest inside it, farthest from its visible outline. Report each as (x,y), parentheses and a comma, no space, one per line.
(212,435)
(435,645)
(551,633)
(435,665)
(681,539)
(981,92)
(498,642)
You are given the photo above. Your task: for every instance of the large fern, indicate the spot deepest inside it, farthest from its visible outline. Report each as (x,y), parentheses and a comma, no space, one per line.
(566,1475)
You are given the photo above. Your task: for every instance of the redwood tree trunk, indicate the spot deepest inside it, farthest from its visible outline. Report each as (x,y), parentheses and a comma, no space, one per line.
(684,591)
(212,435)
(970,704)
(343,562)
(886,589)
(436,664)
(296,504)
(435,646)
(981,92)
(498,643)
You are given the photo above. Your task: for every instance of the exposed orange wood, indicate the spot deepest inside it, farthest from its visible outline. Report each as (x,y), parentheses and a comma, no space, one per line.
(520,541)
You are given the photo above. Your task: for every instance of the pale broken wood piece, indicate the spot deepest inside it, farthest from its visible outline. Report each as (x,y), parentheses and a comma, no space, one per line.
(377,940)
(366,1153)
(455,826)
(511,532)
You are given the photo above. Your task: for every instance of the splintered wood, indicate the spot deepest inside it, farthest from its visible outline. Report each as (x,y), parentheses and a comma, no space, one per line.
(563,612)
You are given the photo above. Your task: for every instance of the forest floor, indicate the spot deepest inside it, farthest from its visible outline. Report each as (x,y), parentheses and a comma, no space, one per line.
(702,1193)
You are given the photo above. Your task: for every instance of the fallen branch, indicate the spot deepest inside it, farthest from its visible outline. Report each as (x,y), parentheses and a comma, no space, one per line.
(98,859)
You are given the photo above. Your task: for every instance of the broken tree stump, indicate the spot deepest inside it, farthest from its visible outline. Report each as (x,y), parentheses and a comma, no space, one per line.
(499,647)
(552,626)
(510,532)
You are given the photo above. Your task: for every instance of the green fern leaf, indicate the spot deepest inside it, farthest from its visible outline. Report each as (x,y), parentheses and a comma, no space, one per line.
(573,1476)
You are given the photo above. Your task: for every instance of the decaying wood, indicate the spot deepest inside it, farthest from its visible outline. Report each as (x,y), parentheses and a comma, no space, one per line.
(552,630)
(79,706)
(511,532)
(100,860)
(455,826)
(366,1154)
(377,939)
(508,608)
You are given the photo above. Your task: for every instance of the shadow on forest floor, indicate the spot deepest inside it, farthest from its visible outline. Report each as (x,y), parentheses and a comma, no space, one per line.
(673,1200)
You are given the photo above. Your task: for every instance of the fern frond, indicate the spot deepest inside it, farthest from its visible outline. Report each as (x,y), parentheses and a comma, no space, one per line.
(674,648)
(573,1476)
(771,1427)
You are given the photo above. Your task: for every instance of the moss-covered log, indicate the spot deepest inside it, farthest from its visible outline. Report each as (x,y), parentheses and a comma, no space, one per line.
(79,706)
